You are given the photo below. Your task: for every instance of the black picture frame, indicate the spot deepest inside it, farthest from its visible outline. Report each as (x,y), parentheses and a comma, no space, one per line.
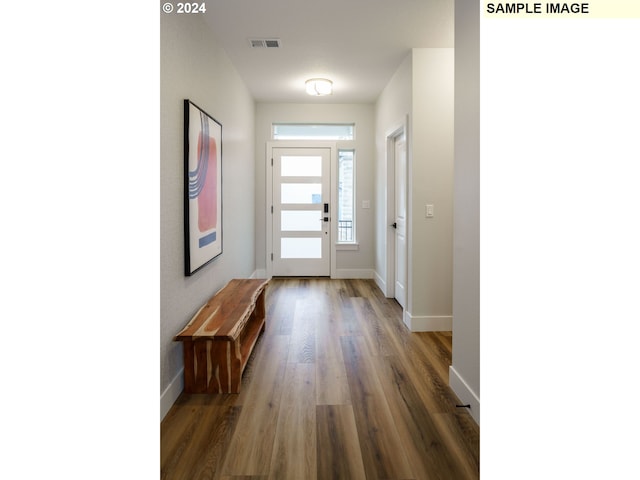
(202,188)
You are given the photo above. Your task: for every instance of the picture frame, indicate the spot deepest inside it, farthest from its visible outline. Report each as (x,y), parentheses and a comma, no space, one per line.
(202,188)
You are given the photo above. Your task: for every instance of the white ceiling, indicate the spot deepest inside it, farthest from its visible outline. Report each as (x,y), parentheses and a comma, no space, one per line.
(358,44)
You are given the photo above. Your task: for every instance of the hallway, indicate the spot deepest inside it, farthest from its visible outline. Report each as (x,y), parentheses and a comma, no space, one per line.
(337,388)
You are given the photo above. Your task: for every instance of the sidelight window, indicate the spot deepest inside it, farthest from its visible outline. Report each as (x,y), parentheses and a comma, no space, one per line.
(346,196)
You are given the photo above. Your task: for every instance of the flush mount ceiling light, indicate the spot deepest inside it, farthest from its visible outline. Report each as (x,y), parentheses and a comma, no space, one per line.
(319,86)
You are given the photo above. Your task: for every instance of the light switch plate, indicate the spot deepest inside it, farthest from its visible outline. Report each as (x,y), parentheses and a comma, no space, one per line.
(428,211)
(366,204)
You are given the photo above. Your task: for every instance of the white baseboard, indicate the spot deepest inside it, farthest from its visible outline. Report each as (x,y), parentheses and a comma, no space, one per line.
(382,285)
(171,393)
(466,395)
(428,323)
(365,273)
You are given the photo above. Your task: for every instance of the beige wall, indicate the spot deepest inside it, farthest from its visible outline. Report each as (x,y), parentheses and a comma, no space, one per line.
(193,67)
(358,261)
(465,371)
(431,182)
(392,108)
(421,94)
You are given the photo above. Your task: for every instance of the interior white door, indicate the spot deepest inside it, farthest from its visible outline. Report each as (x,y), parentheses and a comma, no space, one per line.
(301,220)
(400,219)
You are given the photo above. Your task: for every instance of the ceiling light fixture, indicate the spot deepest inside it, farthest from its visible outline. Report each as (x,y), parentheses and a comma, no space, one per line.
(319,86)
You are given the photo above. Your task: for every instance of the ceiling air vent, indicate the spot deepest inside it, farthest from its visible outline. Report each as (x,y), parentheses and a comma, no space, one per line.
(264,42)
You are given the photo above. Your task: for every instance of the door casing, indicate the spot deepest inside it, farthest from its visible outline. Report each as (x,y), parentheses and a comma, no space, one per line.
(400,128)
(400,220)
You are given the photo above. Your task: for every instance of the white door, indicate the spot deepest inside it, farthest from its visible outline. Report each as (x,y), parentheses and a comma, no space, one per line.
(301,221)
(400,219)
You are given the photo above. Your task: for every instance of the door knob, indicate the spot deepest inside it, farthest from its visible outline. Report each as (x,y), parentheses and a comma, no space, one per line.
(394,225)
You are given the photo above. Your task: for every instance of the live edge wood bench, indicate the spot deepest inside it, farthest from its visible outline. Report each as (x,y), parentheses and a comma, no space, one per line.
(219,339)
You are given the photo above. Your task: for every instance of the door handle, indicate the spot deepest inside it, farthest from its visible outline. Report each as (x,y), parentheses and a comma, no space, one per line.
(394,225)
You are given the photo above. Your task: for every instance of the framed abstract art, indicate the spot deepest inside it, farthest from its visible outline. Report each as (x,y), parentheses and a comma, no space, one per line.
(202,188)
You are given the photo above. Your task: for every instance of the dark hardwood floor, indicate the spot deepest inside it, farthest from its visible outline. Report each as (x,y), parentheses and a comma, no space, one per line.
(336,388)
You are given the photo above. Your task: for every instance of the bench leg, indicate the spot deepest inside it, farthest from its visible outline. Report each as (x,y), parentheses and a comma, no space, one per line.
(212,367)
(195,366)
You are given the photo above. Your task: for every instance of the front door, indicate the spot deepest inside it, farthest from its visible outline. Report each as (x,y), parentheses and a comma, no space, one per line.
(301,220)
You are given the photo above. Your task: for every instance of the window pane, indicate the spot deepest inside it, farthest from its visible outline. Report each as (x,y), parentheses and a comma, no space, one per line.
(346,212)
(284,131)
(301,247)
(301,220)
(306,193)
(303,166)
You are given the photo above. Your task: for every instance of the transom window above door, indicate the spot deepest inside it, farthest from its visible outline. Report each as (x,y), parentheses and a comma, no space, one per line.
(308,131)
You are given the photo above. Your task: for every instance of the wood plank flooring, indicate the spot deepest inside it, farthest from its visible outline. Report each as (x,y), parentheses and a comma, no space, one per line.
(336,388)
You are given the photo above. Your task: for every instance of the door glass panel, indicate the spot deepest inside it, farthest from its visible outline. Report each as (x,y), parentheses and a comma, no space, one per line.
(301,220)
(306,193)
(301,247)
(301,166)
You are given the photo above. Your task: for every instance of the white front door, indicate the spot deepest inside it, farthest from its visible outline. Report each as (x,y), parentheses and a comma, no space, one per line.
(400,219)
(301,220)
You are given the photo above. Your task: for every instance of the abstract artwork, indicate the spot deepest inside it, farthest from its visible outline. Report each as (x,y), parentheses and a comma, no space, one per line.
(202,186)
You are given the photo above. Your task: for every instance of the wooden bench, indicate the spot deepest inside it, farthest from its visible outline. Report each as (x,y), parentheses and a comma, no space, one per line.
(220,337)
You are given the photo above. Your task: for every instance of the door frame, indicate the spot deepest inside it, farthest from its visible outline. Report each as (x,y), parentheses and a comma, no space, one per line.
(333,212)
(392,134)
